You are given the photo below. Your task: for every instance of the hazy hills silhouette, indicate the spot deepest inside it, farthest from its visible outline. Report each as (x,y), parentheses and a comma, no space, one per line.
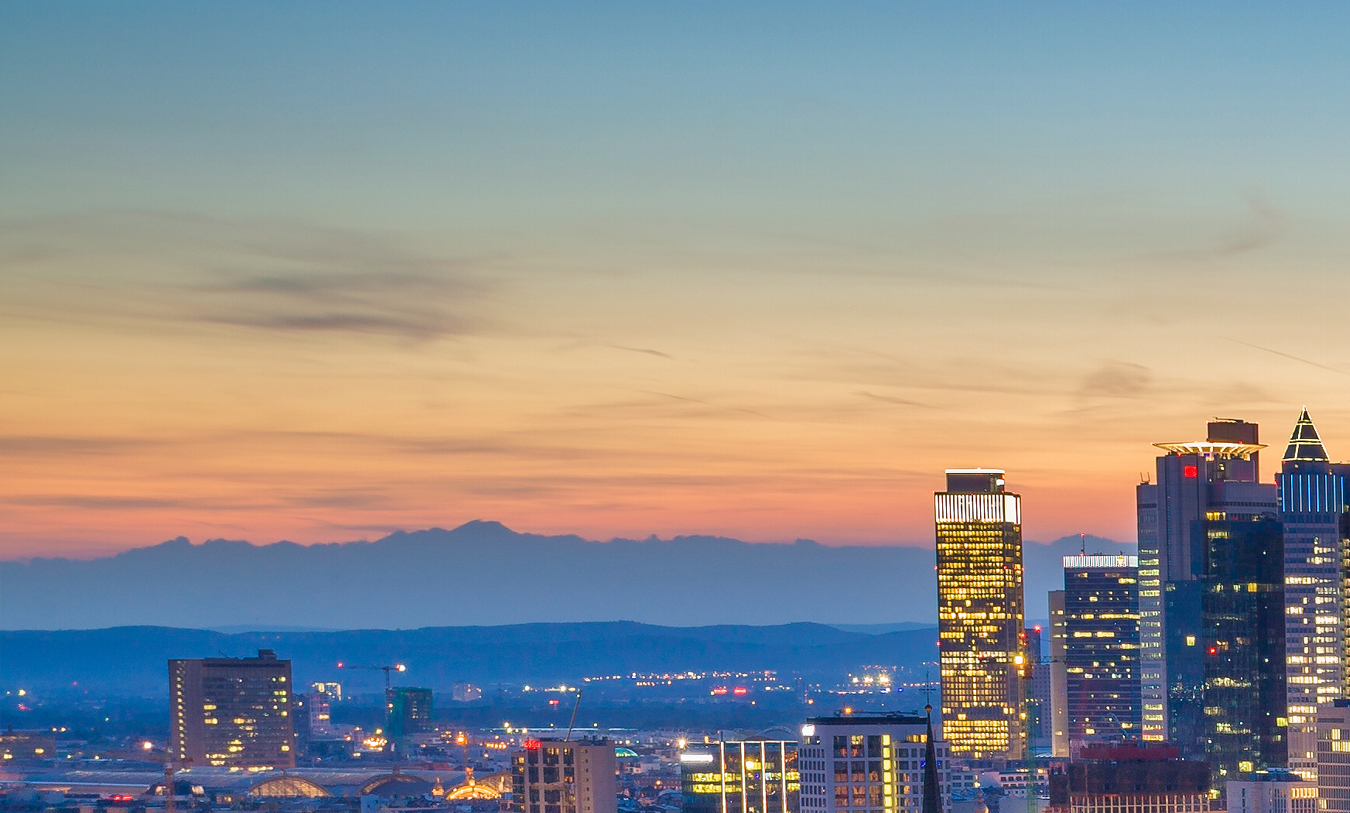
(483,573)
(131,660)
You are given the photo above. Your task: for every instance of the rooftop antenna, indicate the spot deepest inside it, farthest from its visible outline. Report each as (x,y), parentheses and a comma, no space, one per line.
(1082,544)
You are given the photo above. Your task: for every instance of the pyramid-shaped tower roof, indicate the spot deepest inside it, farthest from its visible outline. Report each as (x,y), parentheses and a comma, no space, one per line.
(1304,443)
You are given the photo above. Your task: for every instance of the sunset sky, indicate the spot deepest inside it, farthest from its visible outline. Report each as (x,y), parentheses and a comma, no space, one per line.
(321,271)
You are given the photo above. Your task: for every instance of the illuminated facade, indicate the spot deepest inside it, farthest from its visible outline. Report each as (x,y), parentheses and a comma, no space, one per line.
(1312,494)
(1194,480)
(232,712)
(1101,616)
(980,614)
(756,776)
(1333,756)
(557,776)
(865,763)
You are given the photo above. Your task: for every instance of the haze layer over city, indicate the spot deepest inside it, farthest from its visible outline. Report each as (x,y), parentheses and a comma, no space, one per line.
(674,408)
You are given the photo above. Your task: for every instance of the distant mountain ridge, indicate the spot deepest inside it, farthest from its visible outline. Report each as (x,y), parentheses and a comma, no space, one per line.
(483,573)
(132,660)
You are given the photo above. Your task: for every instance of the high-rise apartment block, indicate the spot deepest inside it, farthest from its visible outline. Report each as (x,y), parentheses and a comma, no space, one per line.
(1101,616)
(754,776)
(980,614)
(1059,677)
(232,712)
(557,776)
(868,763)
(1197,482)
(1313,511)
(1040,701)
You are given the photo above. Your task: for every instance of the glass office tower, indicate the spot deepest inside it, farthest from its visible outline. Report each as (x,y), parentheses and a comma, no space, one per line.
(1195,480)
(1312,494)
(1244,631)
(1101,614)
(980,615)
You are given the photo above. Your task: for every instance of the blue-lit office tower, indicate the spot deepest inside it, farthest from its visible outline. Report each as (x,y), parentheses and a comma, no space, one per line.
(1313,512)
(1101,616)
(1194,482)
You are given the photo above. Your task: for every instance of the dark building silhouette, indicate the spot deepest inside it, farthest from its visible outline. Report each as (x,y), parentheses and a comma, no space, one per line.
(231,712)
(1244,690)
(1194,481)
(1130,778)
(1101,616)
(409,711)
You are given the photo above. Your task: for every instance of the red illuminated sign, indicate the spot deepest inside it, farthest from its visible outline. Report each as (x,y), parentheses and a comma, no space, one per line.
(532,745)
(1191,471)
(553,702)
(720,690)
(740,690)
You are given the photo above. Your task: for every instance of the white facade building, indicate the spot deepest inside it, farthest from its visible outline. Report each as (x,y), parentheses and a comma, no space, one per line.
(859,763)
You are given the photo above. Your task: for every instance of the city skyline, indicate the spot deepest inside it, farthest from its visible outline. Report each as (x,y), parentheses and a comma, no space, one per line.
(320,273)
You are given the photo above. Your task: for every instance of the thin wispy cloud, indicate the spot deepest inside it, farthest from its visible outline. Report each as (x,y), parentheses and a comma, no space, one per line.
(258,275)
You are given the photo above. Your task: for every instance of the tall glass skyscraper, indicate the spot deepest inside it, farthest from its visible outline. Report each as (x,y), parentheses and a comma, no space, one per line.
(1101,616)
(1313,511)
(1195,481)
(980,614)
(1244,695)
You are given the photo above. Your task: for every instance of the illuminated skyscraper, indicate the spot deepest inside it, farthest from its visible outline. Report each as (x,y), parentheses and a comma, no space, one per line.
(980,615)
(1101,613)
(1313,513)
(231,712)
(1195,481)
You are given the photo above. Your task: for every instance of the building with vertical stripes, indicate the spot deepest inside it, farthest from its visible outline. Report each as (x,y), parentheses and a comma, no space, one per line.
(753,776)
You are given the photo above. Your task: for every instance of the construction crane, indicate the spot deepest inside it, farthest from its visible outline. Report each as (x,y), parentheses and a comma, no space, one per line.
(397,667)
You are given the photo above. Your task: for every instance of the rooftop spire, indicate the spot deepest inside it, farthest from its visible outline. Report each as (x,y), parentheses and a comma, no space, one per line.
(932,793)
(1304,444)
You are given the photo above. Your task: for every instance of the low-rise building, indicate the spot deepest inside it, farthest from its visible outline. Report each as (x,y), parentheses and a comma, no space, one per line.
(754,776)
(1130,778)
(564,776)
(868,763)
(1271,792)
